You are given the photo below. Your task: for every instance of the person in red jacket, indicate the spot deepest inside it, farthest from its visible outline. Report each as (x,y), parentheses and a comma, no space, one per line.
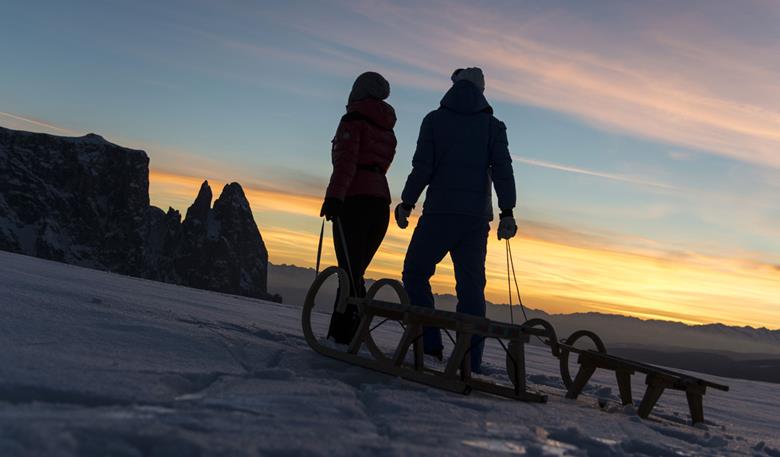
(358,196)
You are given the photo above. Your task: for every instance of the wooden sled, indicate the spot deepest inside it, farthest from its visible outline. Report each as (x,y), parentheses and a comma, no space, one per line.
(456,376)
(657,379)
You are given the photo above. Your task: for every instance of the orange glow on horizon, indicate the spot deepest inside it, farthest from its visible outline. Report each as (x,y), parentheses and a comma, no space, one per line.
(556,273)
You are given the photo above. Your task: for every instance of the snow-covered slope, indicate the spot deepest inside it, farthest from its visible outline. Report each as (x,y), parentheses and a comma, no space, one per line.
(94,363)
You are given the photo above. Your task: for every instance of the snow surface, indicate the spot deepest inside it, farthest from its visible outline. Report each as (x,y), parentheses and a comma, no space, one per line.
(100,364)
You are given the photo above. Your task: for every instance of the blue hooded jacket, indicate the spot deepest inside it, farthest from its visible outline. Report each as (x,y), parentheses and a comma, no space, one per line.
(460,148)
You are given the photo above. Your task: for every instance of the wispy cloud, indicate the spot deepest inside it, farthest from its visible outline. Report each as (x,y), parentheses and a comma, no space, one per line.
(658,82)
(681,155)
(597,174)
(27,122)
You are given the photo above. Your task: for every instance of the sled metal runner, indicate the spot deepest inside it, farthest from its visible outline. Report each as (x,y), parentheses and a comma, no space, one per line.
(457,375)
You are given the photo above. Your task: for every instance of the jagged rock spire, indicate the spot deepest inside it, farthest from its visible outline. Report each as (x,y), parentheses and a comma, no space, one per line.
(199,210)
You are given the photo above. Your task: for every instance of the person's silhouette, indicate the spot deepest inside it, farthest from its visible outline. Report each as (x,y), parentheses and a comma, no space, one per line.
(462,147)
(358,197)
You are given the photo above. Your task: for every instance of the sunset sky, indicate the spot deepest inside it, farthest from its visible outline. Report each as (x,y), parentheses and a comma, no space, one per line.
(645,135)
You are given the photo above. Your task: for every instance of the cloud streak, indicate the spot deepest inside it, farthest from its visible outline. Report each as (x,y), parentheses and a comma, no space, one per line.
(659,82)
(597,174)
(47,127)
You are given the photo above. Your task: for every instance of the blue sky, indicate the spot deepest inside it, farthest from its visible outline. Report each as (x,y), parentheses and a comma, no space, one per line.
(652,128)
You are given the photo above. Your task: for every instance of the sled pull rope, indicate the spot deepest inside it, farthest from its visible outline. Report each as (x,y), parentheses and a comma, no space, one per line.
(342,238)
(511,261)
(508,284)
(340,230)
(319,249)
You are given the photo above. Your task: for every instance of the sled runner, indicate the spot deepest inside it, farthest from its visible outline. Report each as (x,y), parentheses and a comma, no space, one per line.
(457,375)
(657,379)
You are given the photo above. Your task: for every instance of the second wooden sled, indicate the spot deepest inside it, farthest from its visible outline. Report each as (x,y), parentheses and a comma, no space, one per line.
(457,375)
(657,379)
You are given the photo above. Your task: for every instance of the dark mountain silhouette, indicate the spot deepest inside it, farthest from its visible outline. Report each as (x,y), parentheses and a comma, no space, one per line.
(85,201)
(218,248)
(76,200)
(728,364)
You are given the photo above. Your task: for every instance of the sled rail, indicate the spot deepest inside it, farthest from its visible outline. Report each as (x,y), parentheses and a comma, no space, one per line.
(657,379)
(453,321)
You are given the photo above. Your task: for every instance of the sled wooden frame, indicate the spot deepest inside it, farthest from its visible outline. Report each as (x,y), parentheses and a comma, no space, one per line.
(657,379)
(456,376)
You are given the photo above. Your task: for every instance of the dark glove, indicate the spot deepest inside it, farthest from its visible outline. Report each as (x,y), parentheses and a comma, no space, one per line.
(402,213)
(331,208)
(507,228)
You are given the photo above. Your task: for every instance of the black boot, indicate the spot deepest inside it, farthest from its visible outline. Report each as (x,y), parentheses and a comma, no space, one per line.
(344,325)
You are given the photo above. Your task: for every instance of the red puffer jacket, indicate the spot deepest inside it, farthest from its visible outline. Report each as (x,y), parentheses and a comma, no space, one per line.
(363,148)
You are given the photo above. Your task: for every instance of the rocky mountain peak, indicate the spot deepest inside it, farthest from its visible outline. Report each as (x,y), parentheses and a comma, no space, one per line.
(73,200)
(85,201)
(232,199)
(220,248)
(199,210)
(94,138)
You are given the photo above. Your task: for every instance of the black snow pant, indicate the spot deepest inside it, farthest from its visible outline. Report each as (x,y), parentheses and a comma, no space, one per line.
(364,221)
(465,239)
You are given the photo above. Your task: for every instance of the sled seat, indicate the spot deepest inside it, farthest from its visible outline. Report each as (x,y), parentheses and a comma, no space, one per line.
(657,379)
(452,321)
(458,371)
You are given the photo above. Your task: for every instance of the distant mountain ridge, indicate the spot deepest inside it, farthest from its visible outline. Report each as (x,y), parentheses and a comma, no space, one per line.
(718,349)
(616,330)
(715,329)
(85,201)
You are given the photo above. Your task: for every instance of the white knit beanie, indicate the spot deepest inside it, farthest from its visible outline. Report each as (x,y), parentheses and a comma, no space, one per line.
(472,74)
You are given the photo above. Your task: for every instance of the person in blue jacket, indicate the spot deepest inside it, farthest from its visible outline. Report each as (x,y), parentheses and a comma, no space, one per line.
(462,150)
